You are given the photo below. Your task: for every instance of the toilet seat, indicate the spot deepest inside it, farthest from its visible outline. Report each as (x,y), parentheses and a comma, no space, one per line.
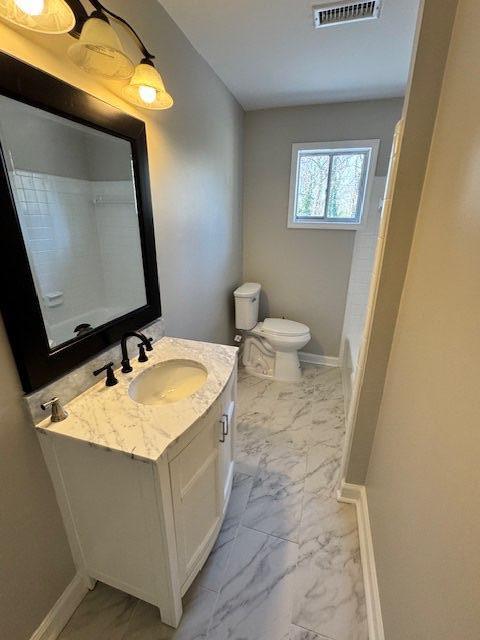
(282,327)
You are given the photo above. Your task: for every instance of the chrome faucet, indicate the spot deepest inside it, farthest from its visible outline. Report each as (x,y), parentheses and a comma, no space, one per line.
(58,412)
(145,344)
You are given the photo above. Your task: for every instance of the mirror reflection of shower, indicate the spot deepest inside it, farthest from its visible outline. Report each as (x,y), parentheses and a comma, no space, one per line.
(75,198)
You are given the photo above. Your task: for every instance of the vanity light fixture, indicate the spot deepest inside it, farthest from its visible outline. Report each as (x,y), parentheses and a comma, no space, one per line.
(99,50)
(42,16)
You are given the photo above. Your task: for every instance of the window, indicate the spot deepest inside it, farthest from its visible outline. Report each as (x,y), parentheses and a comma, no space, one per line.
(330,183)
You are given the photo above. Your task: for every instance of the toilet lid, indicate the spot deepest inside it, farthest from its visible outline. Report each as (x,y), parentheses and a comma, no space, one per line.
(281,327)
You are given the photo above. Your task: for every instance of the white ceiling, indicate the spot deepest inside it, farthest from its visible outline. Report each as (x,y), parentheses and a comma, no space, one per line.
(268,53)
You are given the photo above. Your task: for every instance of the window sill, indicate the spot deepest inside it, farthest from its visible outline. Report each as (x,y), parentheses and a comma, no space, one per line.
(347,226)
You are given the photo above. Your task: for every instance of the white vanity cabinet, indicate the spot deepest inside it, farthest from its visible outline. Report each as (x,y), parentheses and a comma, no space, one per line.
(147,526)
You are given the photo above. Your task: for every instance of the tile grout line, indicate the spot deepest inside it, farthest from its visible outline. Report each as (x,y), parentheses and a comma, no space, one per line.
(319,635)
(227,564)
(270,535)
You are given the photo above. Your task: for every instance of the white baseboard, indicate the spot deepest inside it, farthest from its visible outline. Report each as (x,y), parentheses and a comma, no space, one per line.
(356,494)
(313,358)
(62,610)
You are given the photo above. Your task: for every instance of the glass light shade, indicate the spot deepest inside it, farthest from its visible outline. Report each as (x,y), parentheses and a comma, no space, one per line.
(146,89)
(32,7)
(99,51)
(43,16)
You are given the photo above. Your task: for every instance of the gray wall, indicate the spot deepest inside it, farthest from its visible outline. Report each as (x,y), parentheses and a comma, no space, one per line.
(35,558)
(195,153)
(304,273)
(35,140)
(41,143)
(109,158)
(424,471)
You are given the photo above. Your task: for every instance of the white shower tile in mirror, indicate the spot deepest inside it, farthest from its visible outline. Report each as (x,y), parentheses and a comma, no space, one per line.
(78,236)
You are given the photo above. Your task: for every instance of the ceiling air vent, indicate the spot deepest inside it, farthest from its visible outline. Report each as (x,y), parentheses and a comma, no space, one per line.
(328,15)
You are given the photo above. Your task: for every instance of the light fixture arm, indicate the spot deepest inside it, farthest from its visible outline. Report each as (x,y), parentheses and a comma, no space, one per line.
(81,16)
(100,7)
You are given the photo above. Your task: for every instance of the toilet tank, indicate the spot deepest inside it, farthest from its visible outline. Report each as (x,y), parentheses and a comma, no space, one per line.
(247,298)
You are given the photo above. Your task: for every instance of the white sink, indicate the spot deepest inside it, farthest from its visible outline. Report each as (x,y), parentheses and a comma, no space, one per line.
(168,382)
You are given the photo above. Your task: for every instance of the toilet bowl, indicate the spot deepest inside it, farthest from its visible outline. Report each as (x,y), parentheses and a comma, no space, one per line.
(271,347)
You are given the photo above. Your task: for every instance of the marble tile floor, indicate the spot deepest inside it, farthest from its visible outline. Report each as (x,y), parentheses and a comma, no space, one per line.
(286,565)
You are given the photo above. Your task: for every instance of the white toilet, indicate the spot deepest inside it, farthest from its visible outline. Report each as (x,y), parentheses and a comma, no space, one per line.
(271,347)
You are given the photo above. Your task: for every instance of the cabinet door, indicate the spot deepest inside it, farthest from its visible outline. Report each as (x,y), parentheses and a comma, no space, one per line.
(195,491)
(225,453)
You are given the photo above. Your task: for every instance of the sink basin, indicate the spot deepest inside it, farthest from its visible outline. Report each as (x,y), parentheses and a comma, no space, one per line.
(168,382)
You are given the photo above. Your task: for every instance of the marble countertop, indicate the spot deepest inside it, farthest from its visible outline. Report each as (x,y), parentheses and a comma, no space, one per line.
(108,418)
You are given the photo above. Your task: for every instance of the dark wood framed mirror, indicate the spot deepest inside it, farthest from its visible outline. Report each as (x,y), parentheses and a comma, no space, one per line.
(77,236)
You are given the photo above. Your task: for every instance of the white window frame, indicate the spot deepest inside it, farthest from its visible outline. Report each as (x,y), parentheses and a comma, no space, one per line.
(371,145)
